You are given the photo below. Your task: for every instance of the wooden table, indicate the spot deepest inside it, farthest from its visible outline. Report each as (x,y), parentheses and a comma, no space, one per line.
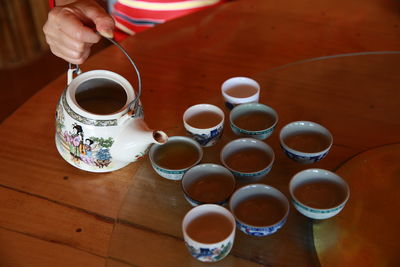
(53,214)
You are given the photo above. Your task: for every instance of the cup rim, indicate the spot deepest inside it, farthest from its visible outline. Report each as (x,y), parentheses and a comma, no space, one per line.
(302,153)
(240,99)
(154,148)
(203,165)
(340,180)
(248,139)
(242,106)
(215,208)
(284,200)
(214,107)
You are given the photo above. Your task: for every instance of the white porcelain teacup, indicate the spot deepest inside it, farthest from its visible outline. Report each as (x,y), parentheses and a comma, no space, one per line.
(259,209)
(204,123)
(209,232)
(253,120)
(318,193)
(240,90)
(208,184)
(172,159)
(248,159)
(305,141)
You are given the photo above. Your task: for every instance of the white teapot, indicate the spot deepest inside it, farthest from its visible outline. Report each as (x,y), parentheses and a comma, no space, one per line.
(99,121)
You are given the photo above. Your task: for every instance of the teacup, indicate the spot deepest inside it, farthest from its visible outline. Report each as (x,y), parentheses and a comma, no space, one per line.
(259,209)
(318,193)
(248,159)
(205,123)
(172,159)
(208,184)
(305,141)
(209,232)
(240,90)
(253,120)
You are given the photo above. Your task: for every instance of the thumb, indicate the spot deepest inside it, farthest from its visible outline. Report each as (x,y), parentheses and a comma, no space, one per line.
(103,21)
(105,26)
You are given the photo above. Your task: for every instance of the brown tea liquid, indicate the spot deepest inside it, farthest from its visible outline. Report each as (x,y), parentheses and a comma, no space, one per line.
(308,142)
(248,160)
(320,194)
(254,121)
(212,188)
(176,155)
(209,228)
(101,96)
(260,210)
(241,91)
(204,120)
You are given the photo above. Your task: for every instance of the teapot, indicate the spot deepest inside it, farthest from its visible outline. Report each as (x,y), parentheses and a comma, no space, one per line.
(99,120)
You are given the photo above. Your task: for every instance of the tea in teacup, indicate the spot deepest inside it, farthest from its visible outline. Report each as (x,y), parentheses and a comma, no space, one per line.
(101,96)
(305,141)
(260,210)
(204,119)
(254,120)
(208,183)
(308,141)
(248,159)
(211,188)
(320,193)
(241,90)
(176,154)
(210,228)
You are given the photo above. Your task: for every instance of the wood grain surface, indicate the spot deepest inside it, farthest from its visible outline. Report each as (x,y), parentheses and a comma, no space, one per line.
(55,215)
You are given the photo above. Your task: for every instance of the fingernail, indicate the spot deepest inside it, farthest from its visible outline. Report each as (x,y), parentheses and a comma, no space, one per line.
(107,33)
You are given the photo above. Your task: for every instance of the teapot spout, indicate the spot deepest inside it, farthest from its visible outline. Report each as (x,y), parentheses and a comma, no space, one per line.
(159,137)
(135,140)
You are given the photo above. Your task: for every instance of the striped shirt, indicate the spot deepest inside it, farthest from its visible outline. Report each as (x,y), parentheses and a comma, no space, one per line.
(133,16)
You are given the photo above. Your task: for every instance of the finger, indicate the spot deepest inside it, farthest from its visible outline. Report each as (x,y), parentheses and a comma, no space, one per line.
(104,22)
(71,55)
(70,24)
(67,42)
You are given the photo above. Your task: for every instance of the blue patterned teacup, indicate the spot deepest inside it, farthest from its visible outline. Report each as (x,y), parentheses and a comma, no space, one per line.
(305,141)
(318,193)
(204,123)
(253,120)
(209,232)
(259,209)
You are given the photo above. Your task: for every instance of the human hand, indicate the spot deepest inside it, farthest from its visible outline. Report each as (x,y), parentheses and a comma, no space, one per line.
(69,29)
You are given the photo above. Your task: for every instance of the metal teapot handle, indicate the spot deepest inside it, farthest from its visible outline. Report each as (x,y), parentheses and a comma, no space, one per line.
(134,108)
